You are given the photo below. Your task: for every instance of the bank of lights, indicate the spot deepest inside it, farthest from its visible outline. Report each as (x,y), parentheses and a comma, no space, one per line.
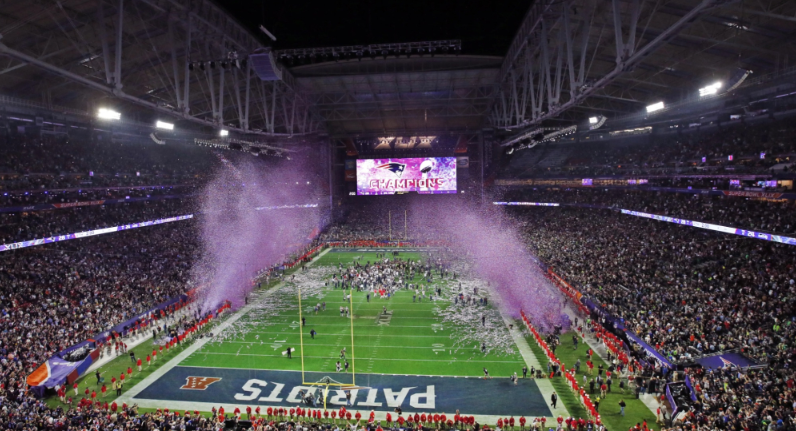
(223,133)
(655,107)
(164,125)
(108,114)
(593,120)
(710,89)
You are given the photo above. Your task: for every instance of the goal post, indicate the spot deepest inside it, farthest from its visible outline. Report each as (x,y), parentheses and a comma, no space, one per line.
(326,381)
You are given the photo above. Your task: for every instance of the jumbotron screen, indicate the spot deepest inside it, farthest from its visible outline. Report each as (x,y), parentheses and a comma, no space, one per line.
(428,175)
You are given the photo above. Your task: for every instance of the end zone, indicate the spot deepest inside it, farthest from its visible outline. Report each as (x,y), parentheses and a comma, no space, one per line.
(197,388)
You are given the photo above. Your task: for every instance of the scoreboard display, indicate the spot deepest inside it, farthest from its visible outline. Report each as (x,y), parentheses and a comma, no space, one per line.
(424,175)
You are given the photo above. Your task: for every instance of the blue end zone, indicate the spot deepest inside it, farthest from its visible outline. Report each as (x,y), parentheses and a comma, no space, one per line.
(377,392)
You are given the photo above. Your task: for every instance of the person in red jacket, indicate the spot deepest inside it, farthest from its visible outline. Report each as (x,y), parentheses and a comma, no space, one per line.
(139,364)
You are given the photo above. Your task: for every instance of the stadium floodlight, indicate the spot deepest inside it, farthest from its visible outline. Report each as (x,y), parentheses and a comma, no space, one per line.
(593,120)
(654,107)
(223,133)
(108,114)
(710,89)
(164,125)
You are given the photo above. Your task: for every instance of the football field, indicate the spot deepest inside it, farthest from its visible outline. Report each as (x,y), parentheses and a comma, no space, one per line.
(409,351)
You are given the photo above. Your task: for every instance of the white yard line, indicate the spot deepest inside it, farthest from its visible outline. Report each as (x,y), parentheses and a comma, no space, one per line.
(359,358)
(368,335)
(338,344)
(358,374)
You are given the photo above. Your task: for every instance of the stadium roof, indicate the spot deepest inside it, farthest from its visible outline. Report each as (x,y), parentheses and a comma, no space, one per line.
(561,66)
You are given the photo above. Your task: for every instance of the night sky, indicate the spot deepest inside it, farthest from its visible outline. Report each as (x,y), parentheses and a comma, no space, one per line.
(485,27)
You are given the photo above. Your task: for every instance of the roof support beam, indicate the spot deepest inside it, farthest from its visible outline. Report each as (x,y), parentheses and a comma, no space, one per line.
(117,71)
(112,90)
(629,54)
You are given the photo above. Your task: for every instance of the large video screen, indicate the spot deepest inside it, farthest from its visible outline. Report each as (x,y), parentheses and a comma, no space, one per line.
(428,175)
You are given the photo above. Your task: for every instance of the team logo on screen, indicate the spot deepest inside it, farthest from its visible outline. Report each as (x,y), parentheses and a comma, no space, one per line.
(396,168)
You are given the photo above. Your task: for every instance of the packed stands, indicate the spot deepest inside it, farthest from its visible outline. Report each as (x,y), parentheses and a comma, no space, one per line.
(63,163)
(21,226)
(776,216)
(667,153)
(65,293)
(688,294)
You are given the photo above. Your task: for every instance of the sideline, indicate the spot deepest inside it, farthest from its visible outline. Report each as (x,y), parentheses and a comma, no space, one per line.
(545,385)
(599,348)
(132,343)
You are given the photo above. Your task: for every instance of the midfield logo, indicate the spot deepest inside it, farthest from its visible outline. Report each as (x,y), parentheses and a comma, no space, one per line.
(199,383)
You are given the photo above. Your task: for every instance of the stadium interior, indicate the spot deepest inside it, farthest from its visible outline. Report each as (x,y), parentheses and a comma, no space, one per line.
(542,214)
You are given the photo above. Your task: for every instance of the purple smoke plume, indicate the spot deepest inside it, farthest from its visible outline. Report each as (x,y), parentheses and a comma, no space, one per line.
(493,243)
(238,240)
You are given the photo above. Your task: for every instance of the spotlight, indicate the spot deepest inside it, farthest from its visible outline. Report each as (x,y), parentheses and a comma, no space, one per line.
(655,107)
(710,89)
(593,120)
(108,114)
(163,125)
(223,133)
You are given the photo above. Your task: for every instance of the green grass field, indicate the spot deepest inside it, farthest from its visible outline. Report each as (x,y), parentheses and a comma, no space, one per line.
(412,341)
(414,338)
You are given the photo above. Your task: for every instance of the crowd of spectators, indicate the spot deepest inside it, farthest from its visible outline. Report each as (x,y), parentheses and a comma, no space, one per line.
(687,293)
(673,152)
(16,199)
(364,224)
(737,211)
(28,163)
(32,414)
(22,226)
(56,296)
